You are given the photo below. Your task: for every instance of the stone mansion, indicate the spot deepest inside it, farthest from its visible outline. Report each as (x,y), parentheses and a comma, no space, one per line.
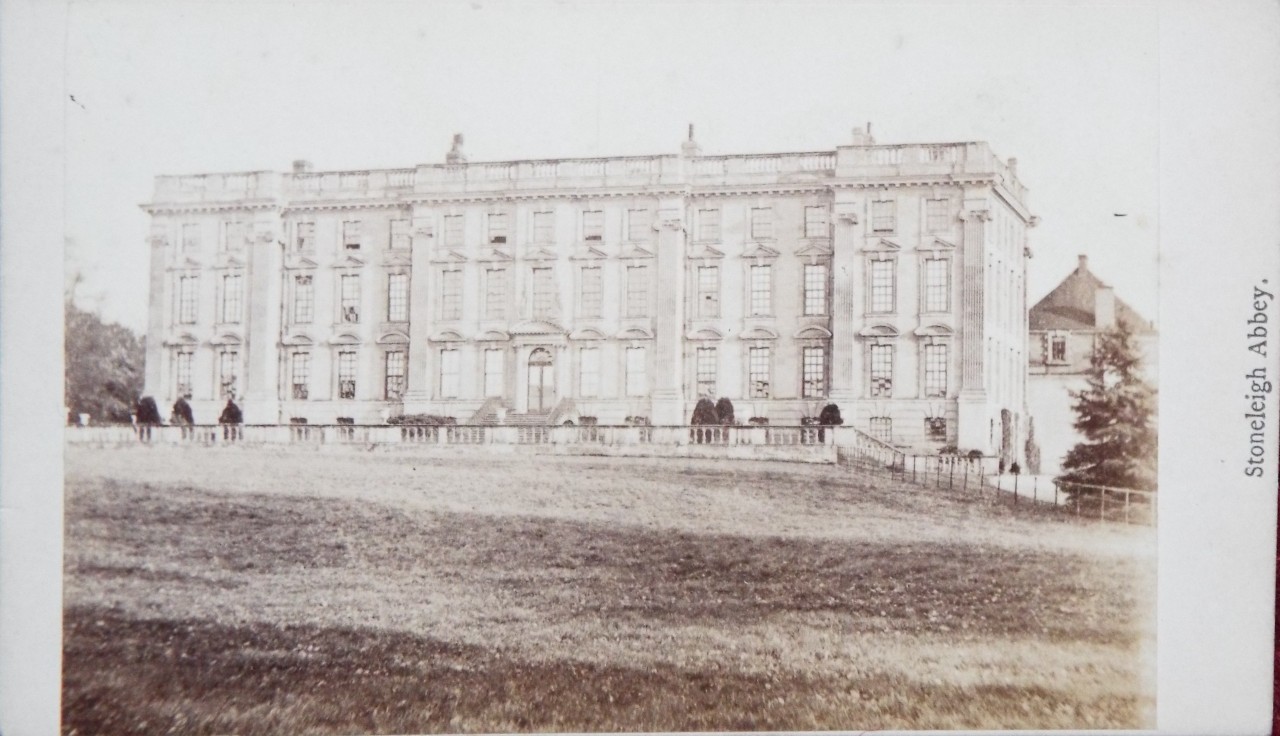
(887,279)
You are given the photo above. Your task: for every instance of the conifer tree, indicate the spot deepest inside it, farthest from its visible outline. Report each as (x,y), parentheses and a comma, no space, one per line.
(1115,413)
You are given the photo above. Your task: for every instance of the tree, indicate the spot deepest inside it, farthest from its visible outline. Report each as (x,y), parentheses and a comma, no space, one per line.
(1115,413)
(1031,451)
(704,413)
(830,416)
(104,364)
(724,410)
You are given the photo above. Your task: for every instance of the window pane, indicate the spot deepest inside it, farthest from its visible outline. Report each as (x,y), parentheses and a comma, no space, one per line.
(453,225)
(544,228)
(351,235)
(589,373)
(400,233)
(304,299)
(182,371)
(544,292)
(637,381)
(592,297)
(497,228)
(451,295)
(935,371)
(709,225)
(937,214)
(937,282)
(762,223)
(637,291)
(639,225)
(881,370)
(395,384)
(758,368)
(815,222)
(593,225)
(306,237)
(191,236)
(883,216)
(935,428)
(231,299)
(350,298)
(493,364)
(495,294)
(301,374)
(761,290)
(814,373)
(449,374)
(882,428)
(398,297)
(187,295)
(706,369)
(708,291)
(882,286)
(235,234)
(815,288)
(346,375)
(228,373)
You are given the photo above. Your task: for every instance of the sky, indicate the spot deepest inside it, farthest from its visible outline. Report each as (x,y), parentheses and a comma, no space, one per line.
(1068,88)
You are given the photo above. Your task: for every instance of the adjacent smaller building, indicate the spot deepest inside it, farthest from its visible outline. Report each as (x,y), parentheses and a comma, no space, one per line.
(1063,328)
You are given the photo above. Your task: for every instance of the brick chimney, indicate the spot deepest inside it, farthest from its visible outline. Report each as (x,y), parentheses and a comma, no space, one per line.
(1084,264)
(455,155)
(301,166)
(1104,308)
(862,136)
(690,148)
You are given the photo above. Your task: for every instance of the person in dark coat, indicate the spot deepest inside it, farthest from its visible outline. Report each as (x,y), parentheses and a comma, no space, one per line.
(148,416)
(231,418)
(183,417)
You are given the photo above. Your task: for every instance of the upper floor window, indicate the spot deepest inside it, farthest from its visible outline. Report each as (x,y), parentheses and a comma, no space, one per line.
(395,374)
(191,236)
(497,228)
(882,286)
(232,297)
(761,290)
(937,285)
(182,372)
(495,293)
(706,368)
(1058,349)
(304,237)
(884,218)
(815,222)
(637,291)
(882,370)
(350,298)
(937,215)
(593,225)
(351,235)
(451,295)
(453,229)
(639,224)
(708,291)
(637,382)
(347,374)
(814,367)
(228,373)
(591,297)
(544,228)
(188,293)
(300,375)
(304,299)
(761,223)
(235,235)
(815,289)
(400,233)
(544,292)
(398,297)
(709,225)
(758,372)
(935,371)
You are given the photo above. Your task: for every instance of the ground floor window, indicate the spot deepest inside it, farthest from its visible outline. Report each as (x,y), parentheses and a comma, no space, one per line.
(182,370)
(882,428)
(814,368)
(758,372)
(228,373)
(706,372)
(637,380)
(589,373)
(347,374)
(935,428)
(395,375)
(300,374)
(449,374)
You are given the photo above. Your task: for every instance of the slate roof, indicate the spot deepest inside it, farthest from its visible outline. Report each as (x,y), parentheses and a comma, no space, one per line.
(1070,306)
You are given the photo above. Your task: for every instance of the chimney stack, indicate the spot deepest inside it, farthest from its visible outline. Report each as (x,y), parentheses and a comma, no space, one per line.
(862,136)
(1084,264)
(301,166)
(1104,308)
(690,147)
(455,155)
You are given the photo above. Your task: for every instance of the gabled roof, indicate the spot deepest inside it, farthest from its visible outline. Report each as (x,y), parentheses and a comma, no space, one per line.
(1070,306)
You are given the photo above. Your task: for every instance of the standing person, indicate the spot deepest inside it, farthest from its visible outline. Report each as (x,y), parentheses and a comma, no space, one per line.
(183,417)
(148,416)
(231,419)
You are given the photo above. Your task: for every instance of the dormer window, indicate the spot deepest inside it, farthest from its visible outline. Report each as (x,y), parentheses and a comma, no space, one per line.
(1058,349)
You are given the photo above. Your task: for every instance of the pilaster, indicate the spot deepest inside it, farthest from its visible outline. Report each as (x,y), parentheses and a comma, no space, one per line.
(156,318)
(263,300)
(844,296)
(973,414)
(419,380)
(668,359)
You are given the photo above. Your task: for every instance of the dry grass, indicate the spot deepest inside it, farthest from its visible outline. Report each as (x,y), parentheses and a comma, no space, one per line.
(224,590)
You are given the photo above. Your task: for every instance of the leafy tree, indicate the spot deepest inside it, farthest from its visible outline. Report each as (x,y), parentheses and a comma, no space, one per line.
(830,416)
(724,410)
(704,413)
(104,366)
(1116,415)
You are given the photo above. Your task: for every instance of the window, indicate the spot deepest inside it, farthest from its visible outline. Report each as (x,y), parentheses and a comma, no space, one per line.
(815,222)
(497,228)
(544,228)
(495,293)
(351,235)
(493,362)
(394,386)
(815,288)
(882,428)
(935,371)
(935,428)
(347,374)
(190,236)
(637,381)
(544,292)
(232,298)
(937,215)
(709,225)
(182,371)
(637,291)
(591,296)
(708,291)
(398,297)
(814,373)
(234,235)
(761,290)
(449,374)
(881,370)
(937,285)
(228,373)
(305,237)
(639,225)
(882,286)
(300,374)
(761,223)
(350,298)
(453,225)
(451,295)
(589,373)
(304,299)
(593,225)
(400,233)
(758,372)
(1058,349)
(188,288)
(883,216)
(706,372)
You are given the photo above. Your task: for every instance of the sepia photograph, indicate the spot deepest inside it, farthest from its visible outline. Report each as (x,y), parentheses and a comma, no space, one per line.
(611,367)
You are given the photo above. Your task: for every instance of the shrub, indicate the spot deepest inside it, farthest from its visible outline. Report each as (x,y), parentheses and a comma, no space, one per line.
(704,413)
(724,411)
(588,421)
(147,411)
(431,420)
(830,416)
(758,421)
(949,450)
(346,420)
(297,420)
(975,454)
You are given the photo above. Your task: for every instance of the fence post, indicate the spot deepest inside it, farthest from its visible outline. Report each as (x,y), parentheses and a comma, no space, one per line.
(1015,489)
(965,487)
(1126,507)
(913,468)
(1102,506)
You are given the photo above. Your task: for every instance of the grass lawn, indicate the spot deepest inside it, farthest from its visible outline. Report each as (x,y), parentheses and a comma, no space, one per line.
(267,591)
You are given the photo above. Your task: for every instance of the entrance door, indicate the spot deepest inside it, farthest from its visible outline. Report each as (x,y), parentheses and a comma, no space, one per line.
(542,381)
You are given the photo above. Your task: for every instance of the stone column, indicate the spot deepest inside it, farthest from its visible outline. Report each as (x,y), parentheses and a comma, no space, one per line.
(419,379)
(161,299)
(845,291)
(973,412)
(668,360)
(264,299)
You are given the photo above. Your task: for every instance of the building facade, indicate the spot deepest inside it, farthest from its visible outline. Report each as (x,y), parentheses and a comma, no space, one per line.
(1064,327)
(887,279)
